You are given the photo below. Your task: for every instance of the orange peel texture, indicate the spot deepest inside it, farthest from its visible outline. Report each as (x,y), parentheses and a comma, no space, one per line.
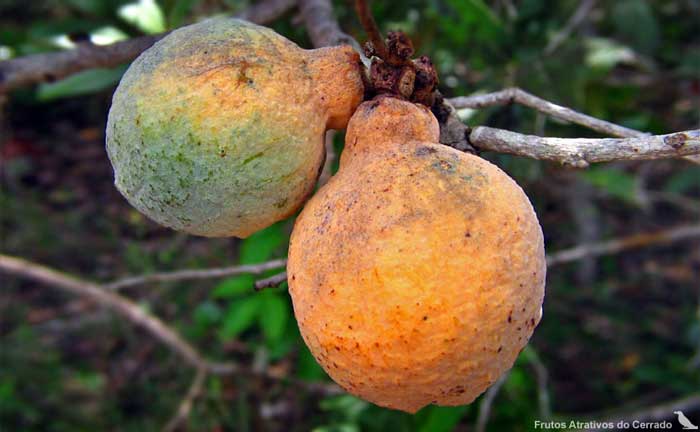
(417,272)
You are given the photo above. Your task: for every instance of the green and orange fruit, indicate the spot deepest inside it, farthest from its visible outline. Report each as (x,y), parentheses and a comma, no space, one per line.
(217,130)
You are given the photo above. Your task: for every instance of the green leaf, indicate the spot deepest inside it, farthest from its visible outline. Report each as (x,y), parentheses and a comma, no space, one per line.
(690,63)
(439,419)
(614,182)
(517,381)
(93,7)
(475,18)
(86,82)
(683,181)
(107,35)
(605,54)
(274,316)
(144,14)
(90,381)
(234,287)
(240,316)
(207,313)
(7,389)
(636,24)
(341,427)
(260,246)
(349,406)
(179,11)
(307,366)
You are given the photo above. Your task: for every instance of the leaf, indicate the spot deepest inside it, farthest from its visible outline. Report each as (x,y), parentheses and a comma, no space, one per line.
(683,181)
(341,427)
(207,313)
(349,406)
(93,7)
(234,287)
(517,381)
(439,419)
(240,316)
(690,63)
(144,14)
(473,17)
(6,52)
(179,11)
(273,317)
(280,349)
(307,367)
(107,35)
(614,182)
(605,54)
(260,246)
(636,24)
(90,81)
(7,389)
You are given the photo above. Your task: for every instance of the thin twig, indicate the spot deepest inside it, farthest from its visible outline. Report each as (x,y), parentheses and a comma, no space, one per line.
(542,378)
(580,152)
(373,34)
(582,11)
(50,67)
(136,315)
(487,403)
(516,95)
(119,304)
(271,282)
(584,213)
(53,66)
(655,413)
(322,26)
(618,245)
(185,407)
(181,275)
(687,204)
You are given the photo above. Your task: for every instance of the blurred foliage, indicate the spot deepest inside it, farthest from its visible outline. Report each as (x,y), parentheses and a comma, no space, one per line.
(625,334)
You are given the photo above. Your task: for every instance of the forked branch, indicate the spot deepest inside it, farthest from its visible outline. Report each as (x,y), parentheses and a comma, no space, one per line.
(181,275)
(117,303)
(516,95)
(580,152)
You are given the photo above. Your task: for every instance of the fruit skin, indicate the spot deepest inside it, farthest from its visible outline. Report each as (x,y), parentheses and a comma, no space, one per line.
(417,272)
(217,130)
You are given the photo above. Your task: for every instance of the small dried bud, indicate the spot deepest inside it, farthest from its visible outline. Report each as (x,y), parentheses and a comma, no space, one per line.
(400,46)
(383,76)
(426,81)
(406,81)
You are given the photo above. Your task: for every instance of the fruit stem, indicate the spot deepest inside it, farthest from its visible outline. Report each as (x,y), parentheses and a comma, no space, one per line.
(370,26)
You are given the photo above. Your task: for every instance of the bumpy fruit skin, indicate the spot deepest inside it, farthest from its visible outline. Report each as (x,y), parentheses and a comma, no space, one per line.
(417,272)
(217,130)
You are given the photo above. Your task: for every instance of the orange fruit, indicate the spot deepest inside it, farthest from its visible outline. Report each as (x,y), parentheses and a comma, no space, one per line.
(417,272)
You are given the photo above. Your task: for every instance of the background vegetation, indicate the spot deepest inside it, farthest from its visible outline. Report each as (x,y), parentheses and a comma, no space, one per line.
(619,332)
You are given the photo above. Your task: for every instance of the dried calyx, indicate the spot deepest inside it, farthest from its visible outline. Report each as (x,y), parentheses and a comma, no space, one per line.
(394,72)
